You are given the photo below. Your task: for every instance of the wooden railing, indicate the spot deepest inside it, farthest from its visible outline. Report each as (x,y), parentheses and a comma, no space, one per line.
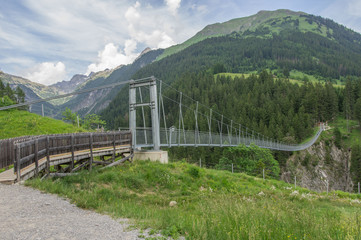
(30,151)
(7,149)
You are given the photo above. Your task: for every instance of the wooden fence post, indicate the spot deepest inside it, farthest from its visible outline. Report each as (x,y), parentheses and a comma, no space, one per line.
(36,143)
(113,157)
(47,155)
(18,162)
(72,152)
(91,151)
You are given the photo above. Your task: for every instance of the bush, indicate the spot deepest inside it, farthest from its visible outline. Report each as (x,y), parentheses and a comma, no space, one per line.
(338,137)
(251,160)
(193,172)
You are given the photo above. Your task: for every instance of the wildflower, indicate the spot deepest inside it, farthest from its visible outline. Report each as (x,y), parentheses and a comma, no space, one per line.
(294,193)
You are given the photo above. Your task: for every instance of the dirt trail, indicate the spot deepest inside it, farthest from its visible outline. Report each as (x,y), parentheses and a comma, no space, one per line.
(26,213)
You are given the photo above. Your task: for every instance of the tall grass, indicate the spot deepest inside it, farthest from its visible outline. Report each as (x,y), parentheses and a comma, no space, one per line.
(210,204)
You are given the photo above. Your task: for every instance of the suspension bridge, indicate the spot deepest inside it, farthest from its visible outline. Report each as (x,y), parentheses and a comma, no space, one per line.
(219,131)
(193,125)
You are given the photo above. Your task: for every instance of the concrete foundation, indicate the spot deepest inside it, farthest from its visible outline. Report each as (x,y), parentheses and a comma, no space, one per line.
(160,156)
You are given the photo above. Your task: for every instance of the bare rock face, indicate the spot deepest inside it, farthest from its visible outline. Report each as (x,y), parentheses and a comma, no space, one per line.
(70,86)
(319,166)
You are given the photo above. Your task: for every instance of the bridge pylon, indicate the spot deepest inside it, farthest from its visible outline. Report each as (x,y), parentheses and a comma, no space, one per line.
(152,84)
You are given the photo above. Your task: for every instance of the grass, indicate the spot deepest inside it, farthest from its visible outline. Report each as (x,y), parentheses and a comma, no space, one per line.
(296,77)
(16,123)
(234,75)
(350,136)
(211,204)
(299,77)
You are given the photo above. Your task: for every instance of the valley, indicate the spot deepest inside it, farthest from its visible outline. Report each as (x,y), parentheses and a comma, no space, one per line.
(274,76)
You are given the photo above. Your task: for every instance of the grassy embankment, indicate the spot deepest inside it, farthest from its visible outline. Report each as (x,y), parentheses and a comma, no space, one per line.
(15,123)
(211,204)
(295,77)
(351,132)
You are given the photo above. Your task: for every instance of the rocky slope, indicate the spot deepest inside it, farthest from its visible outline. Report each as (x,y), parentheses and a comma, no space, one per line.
(321,164)
(32,90)
(69,86)
(98,100)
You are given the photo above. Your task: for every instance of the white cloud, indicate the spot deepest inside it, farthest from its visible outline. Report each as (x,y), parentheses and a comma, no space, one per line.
(173,5)
(132,14)
(200,9)
(112,57)
(47,73)
(151,30)
(74,31)
(354,8)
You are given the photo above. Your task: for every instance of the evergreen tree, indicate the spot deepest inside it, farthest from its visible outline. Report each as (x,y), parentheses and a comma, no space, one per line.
(2,88)
(358,111)
(20,95)
(356,164)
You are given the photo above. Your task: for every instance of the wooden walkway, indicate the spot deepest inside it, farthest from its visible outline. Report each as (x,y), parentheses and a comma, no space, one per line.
(9,177)
(67,152)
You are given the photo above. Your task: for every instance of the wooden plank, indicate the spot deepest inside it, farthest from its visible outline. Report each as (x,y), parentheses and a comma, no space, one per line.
(72,152)
(113,156)
(120,161)
(47,155)
(27,158)
(36,145)
(79,167)
(91,151)
(18,163)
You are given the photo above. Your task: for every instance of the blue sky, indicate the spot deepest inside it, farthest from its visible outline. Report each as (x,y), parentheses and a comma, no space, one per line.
(49,41)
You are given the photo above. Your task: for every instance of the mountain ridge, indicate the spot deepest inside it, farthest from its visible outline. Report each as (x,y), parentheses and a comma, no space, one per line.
(275,20)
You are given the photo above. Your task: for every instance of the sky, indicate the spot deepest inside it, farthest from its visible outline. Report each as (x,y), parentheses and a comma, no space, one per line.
(50,41)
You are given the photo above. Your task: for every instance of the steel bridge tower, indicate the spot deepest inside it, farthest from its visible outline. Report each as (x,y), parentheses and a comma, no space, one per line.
(133,85)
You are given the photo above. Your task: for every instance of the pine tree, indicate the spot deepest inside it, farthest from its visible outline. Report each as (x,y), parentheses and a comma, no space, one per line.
(20,95)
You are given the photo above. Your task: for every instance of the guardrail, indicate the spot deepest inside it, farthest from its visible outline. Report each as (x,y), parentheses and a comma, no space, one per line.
(29,152)
(175,137)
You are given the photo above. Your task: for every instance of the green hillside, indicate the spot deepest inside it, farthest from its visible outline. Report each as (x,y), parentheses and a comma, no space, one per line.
(268,22)
(39,89)
(15,123)
(211,204)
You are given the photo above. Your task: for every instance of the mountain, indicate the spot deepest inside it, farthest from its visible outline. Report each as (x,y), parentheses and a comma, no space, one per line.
(69,86)
(32,90)
(268,46)
(270,22)
(279,41)
(96,101)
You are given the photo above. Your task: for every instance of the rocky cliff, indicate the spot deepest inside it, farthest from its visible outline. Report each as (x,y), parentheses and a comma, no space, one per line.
(318,166)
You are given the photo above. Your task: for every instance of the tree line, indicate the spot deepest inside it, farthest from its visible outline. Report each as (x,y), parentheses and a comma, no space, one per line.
(8,96)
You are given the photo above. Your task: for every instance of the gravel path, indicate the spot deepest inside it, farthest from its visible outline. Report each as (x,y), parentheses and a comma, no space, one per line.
(26,213)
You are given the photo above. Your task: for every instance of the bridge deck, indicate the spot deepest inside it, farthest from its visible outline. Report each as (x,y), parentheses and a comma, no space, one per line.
(9,177)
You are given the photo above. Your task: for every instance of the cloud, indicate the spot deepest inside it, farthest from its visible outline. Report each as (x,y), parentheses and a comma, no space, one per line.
(47,73)
(173,5)
(132,14)
(199,9)
(148,29)
(73,32)
(354,8)
(111,56)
